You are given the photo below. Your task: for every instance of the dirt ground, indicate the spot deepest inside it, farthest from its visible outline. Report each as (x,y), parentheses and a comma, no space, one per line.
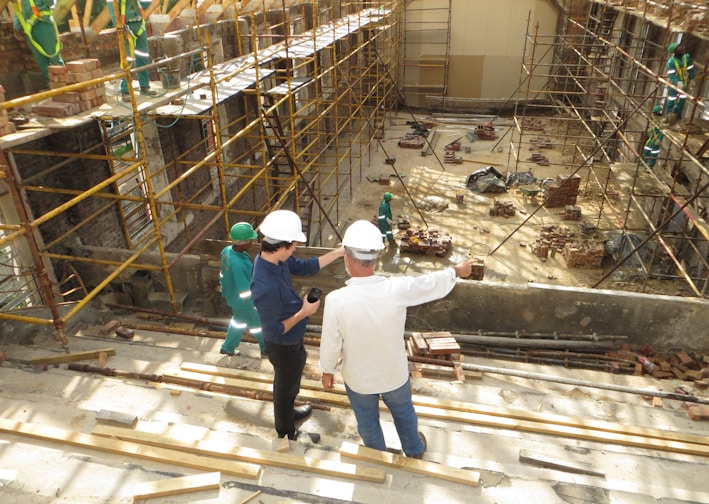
(426,194)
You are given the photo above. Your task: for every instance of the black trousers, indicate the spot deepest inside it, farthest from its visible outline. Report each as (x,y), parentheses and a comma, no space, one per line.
(288,363)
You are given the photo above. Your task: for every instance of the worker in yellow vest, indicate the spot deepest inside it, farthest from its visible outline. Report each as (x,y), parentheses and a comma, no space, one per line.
(35,23)
(681,73)
(138,52)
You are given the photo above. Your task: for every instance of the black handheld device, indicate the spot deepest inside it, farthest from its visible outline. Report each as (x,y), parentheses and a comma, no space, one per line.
(314,295)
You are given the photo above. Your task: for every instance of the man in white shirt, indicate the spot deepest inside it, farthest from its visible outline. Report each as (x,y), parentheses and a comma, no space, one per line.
(365,322)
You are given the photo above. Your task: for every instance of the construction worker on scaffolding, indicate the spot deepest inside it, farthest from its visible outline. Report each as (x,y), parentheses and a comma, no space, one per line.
(34,22)
(136,39)
(680,72)
(651,149)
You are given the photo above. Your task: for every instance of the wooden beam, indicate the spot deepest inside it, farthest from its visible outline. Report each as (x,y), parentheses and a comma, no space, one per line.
(62,10)
(234,451)
(559,464)
(162,455)
(177,8)
(87,12)
(98,24)
(151,8)
(431,469)
(72,357)
(202,8)
(495,411)
(493,416)
(177,486)
(565,431)
(3,5)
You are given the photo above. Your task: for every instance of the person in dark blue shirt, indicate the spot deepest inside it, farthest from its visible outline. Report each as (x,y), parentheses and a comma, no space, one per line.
(284,314)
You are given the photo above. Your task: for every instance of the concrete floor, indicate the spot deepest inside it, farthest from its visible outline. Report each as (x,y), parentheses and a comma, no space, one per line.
(39,472)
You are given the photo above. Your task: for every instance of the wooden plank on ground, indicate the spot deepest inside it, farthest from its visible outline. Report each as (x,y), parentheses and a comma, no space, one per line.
(427,406)
(72,357)
(177,486)
(557,430)
(419,343)
(265,457)
(457,475)
(129,449)
(560,464)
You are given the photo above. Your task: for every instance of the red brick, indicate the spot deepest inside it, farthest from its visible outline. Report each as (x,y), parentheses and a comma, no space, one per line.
(69,97)
(57,70)
(698,412)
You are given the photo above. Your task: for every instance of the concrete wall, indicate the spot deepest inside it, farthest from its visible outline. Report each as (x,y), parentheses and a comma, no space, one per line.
(663,322)
(485,45)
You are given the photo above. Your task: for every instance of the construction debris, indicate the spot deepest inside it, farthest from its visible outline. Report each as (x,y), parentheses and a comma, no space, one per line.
(450,157)
(502,209)
(486,179)
(572,212)
(539,159)
(552,239)
(583,254)
(429,242)
(485,132)
(402,222)
(410,141)
(454,145)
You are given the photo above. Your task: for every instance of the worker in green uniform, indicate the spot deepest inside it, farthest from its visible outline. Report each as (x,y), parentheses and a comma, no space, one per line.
(137,49)
(680,72)
(384,220)
(651,149)
(34,21)
(235,279)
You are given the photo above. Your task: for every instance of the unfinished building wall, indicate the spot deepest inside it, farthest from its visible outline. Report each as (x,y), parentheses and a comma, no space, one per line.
(608,73)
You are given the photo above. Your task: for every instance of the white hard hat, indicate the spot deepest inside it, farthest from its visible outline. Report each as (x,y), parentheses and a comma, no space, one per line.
(364,238)
(283,225)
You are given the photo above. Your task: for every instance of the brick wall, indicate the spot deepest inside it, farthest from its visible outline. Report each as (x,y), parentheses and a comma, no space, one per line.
(16,60)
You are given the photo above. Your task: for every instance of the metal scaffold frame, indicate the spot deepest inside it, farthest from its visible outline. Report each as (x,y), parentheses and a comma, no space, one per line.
(288,125)
(600,77)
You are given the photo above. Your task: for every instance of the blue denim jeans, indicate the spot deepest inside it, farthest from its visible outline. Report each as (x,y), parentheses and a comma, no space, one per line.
(366,410)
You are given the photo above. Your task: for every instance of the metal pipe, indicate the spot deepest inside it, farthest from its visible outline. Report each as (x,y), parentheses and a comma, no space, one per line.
(583,383)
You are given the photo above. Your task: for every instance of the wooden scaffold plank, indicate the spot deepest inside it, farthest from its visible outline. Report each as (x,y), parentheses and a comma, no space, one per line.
(219,449)
(129,449)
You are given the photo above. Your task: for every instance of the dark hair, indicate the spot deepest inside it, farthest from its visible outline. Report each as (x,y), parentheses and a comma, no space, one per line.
(273,247)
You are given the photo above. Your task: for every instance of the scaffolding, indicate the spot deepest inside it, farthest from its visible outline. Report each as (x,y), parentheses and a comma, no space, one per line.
(426,32)
(602,74)
(287,123)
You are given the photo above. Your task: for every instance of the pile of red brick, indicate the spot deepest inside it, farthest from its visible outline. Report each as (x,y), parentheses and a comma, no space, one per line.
(564,191)
(502,208)
(6,127)
(73,102)
(552,239)
(583,254)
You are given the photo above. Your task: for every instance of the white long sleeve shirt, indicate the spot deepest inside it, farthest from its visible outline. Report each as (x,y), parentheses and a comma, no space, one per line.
(365,321)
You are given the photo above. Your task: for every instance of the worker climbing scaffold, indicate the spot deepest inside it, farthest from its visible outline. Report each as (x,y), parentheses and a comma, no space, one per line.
(680,72)
(651,149)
